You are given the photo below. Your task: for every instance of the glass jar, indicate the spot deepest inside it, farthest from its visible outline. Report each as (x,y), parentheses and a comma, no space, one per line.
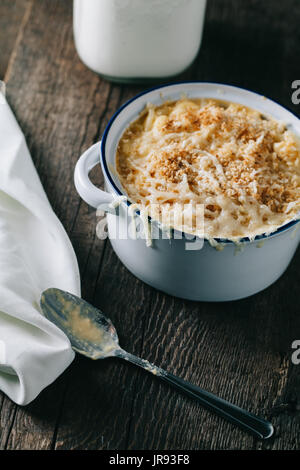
(137,40)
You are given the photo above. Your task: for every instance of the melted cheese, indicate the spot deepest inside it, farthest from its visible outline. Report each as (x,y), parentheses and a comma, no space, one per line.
(211,168)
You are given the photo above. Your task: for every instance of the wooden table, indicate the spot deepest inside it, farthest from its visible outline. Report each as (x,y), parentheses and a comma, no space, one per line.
(239,350)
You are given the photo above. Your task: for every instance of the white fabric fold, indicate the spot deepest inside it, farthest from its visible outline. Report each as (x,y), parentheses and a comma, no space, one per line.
(35,254)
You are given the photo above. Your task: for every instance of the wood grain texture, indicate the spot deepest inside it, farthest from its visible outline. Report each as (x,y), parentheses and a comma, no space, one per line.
(239,350)
(13,16)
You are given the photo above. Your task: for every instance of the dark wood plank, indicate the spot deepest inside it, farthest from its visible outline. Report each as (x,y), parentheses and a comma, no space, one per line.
(13,17)
(239,350)
(7,415)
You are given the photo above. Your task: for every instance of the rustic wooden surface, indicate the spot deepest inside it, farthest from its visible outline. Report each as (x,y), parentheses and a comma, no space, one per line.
(239,350)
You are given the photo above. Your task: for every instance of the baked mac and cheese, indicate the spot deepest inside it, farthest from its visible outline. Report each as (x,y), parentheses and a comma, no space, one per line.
(241,167)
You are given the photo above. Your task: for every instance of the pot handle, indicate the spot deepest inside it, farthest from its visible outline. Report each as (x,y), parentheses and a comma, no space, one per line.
(85,188)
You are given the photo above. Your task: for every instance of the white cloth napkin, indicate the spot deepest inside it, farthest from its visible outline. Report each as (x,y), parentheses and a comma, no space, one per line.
(35,254)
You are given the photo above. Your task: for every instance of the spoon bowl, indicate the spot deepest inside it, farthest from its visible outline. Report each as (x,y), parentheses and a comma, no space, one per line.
(89,331)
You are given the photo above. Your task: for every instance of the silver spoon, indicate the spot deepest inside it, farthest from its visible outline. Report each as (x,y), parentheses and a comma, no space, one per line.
(94,336)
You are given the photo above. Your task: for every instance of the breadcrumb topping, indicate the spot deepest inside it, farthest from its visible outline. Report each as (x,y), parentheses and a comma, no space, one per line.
(244,167)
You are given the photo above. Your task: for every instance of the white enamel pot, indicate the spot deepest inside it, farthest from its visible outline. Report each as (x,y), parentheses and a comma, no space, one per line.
(203,274)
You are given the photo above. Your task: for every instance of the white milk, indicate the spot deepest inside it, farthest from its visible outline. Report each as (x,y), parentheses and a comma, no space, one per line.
(138,38)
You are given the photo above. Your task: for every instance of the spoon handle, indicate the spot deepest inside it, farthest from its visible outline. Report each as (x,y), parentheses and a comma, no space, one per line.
(247,421)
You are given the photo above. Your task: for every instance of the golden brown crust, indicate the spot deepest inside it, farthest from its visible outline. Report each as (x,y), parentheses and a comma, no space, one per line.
(218,149)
